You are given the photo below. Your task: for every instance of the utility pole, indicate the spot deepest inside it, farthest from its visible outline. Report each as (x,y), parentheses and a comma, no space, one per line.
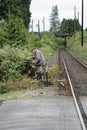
(74,19)
(78,16)
(82,26)
(74,12)
(38,25)
(32,25)
(43,24)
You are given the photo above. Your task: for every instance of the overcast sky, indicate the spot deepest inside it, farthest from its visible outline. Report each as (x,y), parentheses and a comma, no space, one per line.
(43,8)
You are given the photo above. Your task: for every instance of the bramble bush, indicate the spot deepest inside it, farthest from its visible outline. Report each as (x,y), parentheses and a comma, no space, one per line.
(12,62)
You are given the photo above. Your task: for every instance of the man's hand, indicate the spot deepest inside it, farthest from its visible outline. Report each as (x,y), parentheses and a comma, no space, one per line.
(33,61)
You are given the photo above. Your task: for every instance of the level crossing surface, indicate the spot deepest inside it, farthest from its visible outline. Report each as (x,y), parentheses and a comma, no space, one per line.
(43,113)
(83,100)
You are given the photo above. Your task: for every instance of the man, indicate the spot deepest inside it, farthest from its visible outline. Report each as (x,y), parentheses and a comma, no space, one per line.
(39,61)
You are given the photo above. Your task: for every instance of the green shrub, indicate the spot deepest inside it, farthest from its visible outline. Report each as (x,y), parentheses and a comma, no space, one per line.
(14,33)
(34,40)
(12,62)
(3,89)
(12,56)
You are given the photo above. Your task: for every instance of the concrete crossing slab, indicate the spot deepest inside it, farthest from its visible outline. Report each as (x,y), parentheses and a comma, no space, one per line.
(83,100)
(45,113)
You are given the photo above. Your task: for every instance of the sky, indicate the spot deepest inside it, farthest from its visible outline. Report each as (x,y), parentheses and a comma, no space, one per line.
(42,9)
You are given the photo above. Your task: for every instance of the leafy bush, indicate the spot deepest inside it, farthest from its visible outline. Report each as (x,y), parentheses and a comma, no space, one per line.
(17,33)
(12,62)
(3,89)
(2,37)
(14,33)
(12,58)
(48,38)
(34,40)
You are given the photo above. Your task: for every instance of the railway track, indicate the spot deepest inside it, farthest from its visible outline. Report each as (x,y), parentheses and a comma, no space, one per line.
(77,77)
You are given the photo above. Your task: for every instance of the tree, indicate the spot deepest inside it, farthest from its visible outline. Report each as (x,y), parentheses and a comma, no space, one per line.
(54,20)
(69,26)
(16,32)
(18,8)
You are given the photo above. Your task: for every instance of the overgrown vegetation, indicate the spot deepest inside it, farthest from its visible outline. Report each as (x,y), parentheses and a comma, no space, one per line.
(74,44)
(13,56)
(13,33)
(17,8)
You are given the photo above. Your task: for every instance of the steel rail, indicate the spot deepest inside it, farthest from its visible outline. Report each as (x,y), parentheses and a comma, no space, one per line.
(83,64)
(74,97)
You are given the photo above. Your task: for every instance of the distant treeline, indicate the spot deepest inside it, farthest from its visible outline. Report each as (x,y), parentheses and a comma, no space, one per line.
(19,8)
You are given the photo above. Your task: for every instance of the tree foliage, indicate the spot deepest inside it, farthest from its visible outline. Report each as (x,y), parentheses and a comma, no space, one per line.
(13,33)
(54,20)
(69,26)
(14,21)
(17,33)
(19,8)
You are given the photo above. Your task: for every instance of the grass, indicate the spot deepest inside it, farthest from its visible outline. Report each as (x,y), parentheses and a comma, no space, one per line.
(74,44)
(26,88)
(19,89)
(23,94)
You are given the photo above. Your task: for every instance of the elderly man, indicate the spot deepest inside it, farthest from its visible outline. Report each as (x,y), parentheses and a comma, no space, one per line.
(39,61)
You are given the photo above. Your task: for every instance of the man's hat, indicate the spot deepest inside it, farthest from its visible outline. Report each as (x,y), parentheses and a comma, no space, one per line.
(33,49)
